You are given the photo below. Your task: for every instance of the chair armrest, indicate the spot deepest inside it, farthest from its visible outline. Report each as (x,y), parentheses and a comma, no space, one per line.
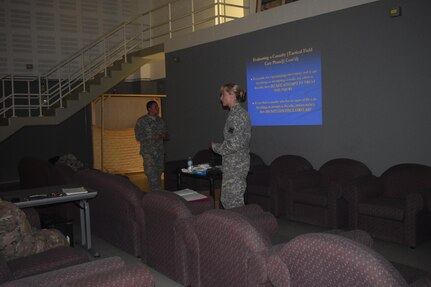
(5,273)
(126,276)
(335,190)
(304,180)
(426,194)
(357,191)
(68,275)
(363,187)
(278,273)
(414,203)
(48,260)
(266,268)
(259,176)
(422,282)
(357,235)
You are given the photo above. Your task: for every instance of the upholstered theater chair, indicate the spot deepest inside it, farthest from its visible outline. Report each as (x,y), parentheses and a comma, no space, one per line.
(316,197)
(318,259)
(116,212)
(44,251)
(48,260)
(409,273)
(35,172)
(392,207)
(268,186)
(225,248)
(162,210)
(111,271)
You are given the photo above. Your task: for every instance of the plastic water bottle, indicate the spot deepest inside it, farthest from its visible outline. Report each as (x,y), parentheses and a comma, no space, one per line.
(189,164)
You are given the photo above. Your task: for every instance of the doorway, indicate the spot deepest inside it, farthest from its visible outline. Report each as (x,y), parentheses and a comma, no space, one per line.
(115,149)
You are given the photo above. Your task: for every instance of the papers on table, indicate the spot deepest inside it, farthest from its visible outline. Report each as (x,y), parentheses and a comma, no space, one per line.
(74,190)
(191,195)
(200,169)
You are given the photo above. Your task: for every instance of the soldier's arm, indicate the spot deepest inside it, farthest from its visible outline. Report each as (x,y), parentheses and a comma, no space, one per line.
(143,132)
(238,140)
(163,134)
(138,130)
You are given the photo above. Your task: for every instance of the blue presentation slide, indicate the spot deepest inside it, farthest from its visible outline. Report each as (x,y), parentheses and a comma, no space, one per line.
(285,88)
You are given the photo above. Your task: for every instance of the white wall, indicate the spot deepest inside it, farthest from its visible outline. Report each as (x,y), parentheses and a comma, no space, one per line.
(44,32)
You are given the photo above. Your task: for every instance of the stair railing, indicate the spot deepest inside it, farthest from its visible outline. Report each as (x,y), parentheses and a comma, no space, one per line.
(27,96)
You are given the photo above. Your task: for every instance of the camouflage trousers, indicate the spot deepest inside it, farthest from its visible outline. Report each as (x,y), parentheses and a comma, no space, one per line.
(232,190)
(153,167)
(18,238)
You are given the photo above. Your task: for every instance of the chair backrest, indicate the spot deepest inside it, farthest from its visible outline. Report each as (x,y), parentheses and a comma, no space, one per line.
(116,212)
(162,210)
(61,174)
(402,179)
(34,172)
(286,164)
(341,170)
(227,241)
(112,184)
(206,156)
(256,161)
(318,259)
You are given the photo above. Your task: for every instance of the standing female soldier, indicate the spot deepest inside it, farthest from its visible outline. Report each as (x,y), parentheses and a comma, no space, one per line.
(235,147)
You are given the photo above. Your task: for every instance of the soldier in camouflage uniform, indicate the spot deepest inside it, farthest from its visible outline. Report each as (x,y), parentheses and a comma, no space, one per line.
(150,130)
(234,149)
(18,238)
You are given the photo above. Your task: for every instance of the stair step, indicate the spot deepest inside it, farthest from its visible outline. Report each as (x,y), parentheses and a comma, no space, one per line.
(49,112)
(4,122)
(78,99)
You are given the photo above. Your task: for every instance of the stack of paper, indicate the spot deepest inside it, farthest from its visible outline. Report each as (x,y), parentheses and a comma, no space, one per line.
(74,190)
(191,195)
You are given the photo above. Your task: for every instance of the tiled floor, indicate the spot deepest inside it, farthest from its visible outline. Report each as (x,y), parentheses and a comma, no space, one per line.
(419,257)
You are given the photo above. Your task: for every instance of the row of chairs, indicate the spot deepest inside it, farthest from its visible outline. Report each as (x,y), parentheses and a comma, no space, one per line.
(163,247)
(344,193)
(198,246)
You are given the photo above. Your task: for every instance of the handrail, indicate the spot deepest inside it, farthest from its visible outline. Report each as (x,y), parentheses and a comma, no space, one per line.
(98,40)
(24,95)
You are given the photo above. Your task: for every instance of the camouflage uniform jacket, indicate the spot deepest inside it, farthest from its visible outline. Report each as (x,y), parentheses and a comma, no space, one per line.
(18,238)
(146,126)
(235,148)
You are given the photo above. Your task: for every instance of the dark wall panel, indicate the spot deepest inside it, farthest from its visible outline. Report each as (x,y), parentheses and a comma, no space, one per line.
(71,136)
(375,74)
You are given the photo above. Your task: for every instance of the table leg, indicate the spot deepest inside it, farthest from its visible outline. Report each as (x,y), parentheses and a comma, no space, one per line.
(82,219)
(212,191)
(86,227)
(179,180)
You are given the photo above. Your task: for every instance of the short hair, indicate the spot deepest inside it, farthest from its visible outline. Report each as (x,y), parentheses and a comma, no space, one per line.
(150,104)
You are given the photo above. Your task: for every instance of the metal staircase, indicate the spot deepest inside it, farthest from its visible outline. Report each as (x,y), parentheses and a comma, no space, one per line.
(72,84)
